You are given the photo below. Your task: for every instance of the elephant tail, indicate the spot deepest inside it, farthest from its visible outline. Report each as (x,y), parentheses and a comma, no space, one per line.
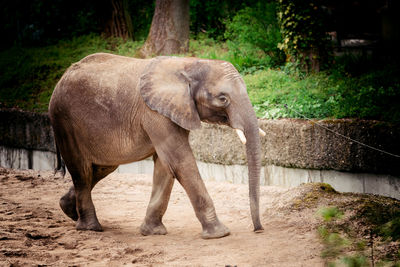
(60,163)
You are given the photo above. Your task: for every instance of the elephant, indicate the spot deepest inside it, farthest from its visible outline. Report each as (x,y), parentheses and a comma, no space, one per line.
(108,110)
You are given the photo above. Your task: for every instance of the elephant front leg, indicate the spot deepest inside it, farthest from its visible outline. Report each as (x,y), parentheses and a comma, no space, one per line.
(163,182)
(189,177)
(172,146)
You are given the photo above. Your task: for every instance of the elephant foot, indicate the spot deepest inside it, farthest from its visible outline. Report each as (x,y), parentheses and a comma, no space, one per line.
(153,229)
(68,205)
(88,225)
(216,230)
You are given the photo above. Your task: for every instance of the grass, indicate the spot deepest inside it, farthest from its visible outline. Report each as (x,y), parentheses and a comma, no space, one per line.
(270,90)
(30,74)
(354,88)
(324,95)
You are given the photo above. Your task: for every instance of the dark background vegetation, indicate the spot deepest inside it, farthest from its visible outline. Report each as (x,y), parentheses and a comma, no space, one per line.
(320,58)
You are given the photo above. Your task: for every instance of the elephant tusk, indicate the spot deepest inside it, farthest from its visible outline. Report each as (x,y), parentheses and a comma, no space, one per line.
(262,133)
(241,136)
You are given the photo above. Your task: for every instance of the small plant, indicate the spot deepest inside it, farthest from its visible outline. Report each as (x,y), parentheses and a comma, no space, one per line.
(355,261)
(334,243)
(391,229)
(330,213)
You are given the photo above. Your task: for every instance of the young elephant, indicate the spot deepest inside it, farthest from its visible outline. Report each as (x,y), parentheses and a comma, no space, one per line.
(108,110)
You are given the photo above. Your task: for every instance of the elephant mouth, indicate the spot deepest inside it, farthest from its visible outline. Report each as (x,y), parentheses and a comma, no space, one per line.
(224,119)
(217,119)
(213,116)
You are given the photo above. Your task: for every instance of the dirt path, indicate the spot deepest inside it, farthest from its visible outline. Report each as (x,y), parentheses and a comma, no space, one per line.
(34,231)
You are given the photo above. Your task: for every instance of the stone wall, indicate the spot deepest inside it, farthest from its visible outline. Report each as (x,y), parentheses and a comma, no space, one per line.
(27,130)
(288,143)
(305,144)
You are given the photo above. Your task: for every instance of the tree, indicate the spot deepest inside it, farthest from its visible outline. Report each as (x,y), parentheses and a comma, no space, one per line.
(169,31)
(303,28)
(120,23)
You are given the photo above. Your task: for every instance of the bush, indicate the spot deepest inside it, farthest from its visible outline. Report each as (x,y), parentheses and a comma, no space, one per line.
(30,74)
(277,94)
(303,26)
(367,88)
(291,94)
(253,36)
(355,88)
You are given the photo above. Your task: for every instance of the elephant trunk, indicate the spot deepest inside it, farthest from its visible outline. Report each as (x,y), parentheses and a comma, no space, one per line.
(253,152)
(246,120)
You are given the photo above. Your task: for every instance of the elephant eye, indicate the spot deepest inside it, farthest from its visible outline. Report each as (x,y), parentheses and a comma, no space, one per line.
(223,99)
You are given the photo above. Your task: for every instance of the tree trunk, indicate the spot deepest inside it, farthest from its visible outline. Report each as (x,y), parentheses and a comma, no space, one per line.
(120,23)
(169,32)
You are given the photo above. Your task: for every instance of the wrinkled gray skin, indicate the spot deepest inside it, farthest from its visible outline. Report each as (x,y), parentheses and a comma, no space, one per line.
(108,110)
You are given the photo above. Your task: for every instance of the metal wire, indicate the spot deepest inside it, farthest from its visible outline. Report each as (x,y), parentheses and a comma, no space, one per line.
(341,135)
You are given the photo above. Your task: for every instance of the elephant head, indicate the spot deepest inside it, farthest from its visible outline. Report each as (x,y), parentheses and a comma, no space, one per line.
(190,90)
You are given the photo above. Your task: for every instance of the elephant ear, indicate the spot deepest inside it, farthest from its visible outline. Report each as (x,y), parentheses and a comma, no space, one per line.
(165,88)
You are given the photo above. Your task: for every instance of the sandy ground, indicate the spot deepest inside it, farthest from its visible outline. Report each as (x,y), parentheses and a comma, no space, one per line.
(34,231)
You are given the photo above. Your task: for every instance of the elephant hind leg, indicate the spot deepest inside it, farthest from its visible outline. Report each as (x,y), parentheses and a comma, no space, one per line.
(82,177)
(84,181)
(68,204)
(99,172)
(163,182)
(68,201)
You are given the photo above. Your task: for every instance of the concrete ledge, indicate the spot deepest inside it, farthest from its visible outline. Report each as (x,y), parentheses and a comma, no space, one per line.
(289,143)
(380,184)
(20,158)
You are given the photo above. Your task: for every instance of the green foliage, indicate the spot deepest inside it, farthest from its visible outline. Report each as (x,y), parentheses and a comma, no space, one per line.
(205,47)
(374,94)
(391,229)
(334,243)
(210,17)
(330,213)
(355,261)
(30,74)
(141,15)
(303,28)
(355,229)
(352,231)
(38,22)
(206,17)
(313,96)
(253,36)
(372,84)
(382,216)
